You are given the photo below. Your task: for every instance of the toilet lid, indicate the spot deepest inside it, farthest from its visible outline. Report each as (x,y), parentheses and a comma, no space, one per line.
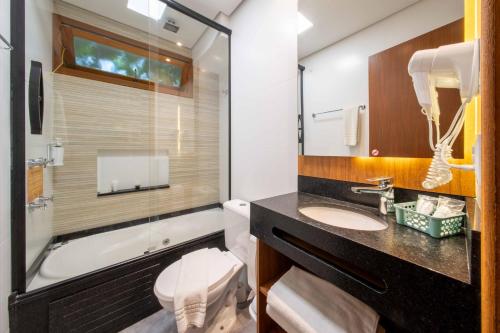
(219,271)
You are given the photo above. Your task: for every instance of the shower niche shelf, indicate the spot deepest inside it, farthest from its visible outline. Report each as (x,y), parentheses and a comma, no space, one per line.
(133,190)
(121,171)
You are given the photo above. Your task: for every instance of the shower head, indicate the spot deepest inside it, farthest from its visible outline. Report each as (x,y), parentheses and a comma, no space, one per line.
(171,26)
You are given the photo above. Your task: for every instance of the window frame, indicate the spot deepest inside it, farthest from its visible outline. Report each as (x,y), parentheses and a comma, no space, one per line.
(65,29)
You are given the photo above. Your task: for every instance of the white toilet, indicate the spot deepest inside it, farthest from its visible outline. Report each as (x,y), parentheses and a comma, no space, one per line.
(225,275)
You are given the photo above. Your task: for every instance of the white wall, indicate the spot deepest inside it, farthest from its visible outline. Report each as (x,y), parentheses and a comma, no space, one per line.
(5,168)
(264,98)
(337,76)
(39,48)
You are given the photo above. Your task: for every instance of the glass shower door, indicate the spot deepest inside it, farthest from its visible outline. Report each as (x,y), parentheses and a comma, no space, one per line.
(133,152)
(189,134)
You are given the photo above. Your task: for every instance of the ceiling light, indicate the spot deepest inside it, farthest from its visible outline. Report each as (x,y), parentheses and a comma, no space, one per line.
(302,23)
(150,8)
(168,59)
(179,44)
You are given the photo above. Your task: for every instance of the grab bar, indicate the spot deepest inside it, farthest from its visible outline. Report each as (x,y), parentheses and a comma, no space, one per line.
(360,107)
(6,42)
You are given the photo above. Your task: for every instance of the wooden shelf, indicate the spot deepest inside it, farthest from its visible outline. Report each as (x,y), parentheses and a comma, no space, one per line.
(264,288)
(271,265)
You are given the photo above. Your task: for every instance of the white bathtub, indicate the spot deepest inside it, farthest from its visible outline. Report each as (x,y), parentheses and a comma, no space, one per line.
(93,252)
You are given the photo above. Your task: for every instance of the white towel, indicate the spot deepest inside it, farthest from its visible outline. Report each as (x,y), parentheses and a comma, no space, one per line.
(190,298)
(251,262)
(351,126)
(303,303)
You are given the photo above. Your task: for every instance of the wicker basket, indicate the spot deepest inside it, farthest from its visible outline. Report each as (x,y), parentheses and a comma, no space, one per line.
(434,226)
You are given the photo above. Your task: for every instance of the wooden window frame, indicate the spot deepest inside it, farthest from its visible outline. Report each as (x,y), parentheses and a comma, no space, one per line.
(65,29)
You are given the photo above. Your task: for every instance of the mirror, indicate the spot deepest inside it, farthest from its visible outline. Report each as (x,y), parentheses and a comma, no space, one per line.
(355,95)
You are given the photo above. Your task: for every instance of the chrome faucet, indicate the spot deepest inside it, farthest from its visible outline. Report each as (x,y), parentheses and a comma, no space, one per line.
(384,189)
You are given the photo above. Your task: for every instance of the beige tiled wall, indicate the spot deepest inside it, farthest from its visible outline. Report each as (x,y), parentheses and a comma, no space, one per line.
(91,115)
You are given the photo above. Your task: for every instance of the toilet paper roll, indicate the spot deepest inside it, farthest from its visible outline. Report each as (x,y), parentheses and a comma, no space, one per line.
(57,155)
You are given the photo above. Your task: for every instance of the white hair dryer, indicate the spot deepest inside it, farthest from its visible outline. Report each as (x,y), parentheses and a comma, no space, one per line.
(449,66)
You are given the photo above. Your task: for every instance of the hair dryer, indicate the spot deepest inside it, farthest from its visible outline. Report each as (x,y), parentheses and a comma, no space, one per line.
(449,66)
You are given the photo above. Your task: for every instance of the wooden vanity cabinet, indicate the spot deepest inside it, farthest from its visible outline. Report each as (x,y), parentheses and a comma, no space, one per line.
(397,126)
(270,266)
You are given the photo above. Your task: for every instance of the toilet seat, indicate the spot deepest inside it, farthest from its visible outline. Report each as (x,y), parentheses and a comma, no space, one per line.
(222,267)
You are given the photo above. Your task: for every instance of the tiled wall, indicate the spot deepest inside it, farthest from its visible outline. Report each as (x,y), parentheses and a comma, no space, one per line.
(91,115)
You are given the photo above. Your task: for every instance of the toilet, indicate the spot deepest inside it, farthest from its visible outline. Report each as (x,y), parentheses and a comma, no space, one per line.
(226,275)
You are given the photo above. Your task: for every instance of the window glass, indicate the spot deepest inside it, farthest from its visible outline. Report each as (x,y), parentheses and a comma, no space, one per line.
(90,54)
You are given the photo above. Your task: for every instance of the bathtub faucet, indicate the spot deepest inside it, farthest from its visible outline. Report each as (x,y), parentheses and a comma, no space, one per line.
(40,202)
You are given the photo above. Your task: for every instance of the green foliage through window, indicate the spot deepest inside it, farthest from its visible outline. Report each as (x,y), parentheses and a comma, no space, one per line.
(90,54)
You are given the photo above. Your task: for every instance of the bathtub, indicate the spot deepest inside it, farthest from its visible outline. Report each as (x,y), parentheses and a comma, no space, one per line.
(94,252)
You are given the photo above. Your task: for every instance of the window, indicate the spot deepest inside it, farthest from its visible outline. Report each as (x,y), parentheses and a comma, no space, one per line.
(88,52)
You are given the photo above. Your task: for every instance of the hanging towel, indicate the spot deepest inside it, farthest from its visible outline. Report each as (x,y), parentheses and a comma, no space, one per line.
(190,298)
(303,303)
(351,126)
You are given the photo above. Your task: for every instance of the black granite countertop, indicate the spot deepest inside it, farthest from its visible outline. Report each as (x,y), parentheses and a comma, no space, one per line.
(446,256)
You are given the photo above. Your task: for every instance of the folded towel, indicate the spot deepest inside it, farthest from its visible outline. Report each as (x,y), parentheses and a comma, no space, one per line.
(303,303)
(190,298)
(251,263)
(351,126)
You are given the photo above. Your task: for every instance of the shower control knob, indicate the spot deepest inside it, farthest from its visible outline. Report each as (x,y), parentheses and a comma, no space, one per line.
(375,152)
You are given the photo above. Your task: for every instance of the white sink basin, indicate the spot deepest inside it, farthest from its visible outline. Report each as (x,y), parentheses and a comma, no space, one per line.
(343,218)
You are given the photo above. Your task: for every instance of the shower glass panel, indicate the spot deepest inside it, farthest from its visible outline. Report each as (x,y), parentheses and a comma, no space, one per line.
(133,153)
(190,127)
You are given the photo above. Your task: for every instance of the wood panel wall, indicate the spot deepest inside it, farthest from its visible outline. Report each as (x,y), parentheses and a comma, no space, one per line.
(393,100)
(407,172)
(490,195)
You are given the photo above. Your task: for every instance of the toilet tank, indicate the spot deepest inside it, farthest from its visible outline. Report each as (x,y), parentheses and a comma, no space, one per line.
(237,227)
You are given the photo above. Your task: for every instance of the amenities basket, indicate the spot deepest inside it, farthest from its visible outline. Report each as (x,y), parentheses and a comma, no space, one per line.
(434,226)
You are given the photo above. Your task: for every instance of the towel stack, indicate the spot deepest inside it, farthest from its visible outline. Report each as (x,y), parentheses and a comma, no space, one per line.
(303,303)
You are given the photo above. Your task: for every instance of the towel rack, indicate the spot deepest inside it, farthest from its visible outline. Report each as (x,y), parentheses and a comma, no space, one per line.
(7,44)
(360,107)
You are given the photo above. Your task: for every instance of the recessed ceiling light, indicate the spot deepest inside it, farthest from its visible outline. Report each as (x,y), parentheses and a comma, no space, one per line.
(179,44)
(150,8)
(168,59)
(302,23)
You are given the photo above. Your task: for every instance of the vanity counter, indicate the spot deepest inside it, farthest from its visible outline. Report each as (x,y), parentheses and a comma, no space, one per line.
(447,256)
(415,282)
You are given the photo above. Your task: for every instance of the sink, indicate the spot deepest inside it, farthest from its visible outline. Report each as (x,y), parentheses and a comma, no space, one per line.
(343,218)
